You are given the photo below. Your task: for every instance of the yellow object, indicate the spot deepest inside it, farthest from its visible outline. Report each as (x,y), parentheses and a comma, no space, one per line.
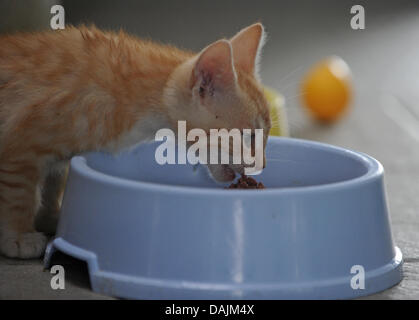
(278,115)
(326,89)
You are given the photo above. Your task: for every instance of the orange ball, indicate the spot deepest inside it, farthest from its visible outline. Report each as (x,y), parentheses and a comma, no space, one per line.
(326,89)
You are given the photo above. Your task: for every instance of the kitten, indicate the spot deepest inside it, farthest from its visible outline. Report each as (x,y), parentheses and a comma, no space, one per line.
(81,89)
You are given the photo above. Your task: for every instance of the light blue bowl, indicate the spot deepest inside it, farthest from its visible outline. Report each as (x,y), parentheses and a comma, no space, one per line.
(169,232)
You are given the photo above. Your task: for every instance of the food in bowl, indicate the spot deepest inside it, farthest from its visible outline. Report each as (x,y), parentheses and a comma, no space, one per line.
(246,182)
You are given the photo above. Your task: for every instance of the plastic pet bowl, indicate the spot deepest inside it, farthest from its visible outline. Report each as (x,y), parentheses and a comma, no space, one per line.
(320,230)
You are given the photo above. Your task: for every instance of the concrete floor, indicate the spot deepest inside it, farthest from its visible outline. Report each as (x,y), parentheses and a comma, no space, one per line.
(383,121)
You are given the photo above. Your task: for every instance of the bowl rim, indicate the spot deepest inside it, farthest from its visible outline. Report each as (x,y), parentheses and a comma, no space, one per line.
(374,171)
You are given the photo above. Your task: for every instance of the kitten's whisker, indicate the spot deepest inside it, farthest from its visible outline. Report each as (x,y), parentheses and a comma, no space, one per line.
(281,89)
(295,96)
(289,74)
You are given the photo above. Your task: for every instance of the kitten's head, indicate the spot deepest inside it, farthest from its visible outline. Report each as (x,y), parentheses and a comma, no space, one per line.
(220,88)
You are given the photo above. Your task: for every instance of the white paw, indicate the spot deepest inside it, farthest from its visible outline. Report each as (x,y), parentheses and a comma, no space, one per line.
(24,246)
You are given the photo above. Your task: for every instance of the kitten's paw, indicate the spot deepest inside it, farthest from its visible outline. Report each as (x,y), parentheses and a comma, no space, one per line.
(24,246)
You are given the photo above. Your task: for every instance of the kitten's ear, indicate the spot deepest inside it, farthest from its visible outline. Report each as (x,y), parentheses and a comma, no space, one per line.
(214,70)
(247,47)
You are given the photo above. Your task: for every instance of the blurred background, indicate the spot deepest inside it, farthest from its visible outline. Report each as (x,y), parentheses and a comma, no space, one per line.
(381,115)
(383,57)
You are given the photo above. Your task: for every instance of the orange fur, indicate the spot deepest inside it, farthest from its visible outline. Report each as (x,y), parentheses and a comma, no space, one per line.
(82,89)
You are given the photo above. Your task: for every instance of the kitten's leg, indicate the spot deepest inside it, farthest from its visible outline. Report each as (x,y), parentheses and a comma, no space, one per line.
(52,192)
(19,200)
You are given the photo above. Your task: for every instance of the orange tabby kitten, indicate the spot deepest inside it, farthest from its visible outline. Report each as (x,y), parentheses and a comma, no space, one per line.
(81,89)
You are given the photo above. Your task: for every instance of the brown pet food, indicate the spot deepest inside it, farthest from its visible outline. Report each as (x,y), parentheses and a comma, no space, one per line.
(246,182)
